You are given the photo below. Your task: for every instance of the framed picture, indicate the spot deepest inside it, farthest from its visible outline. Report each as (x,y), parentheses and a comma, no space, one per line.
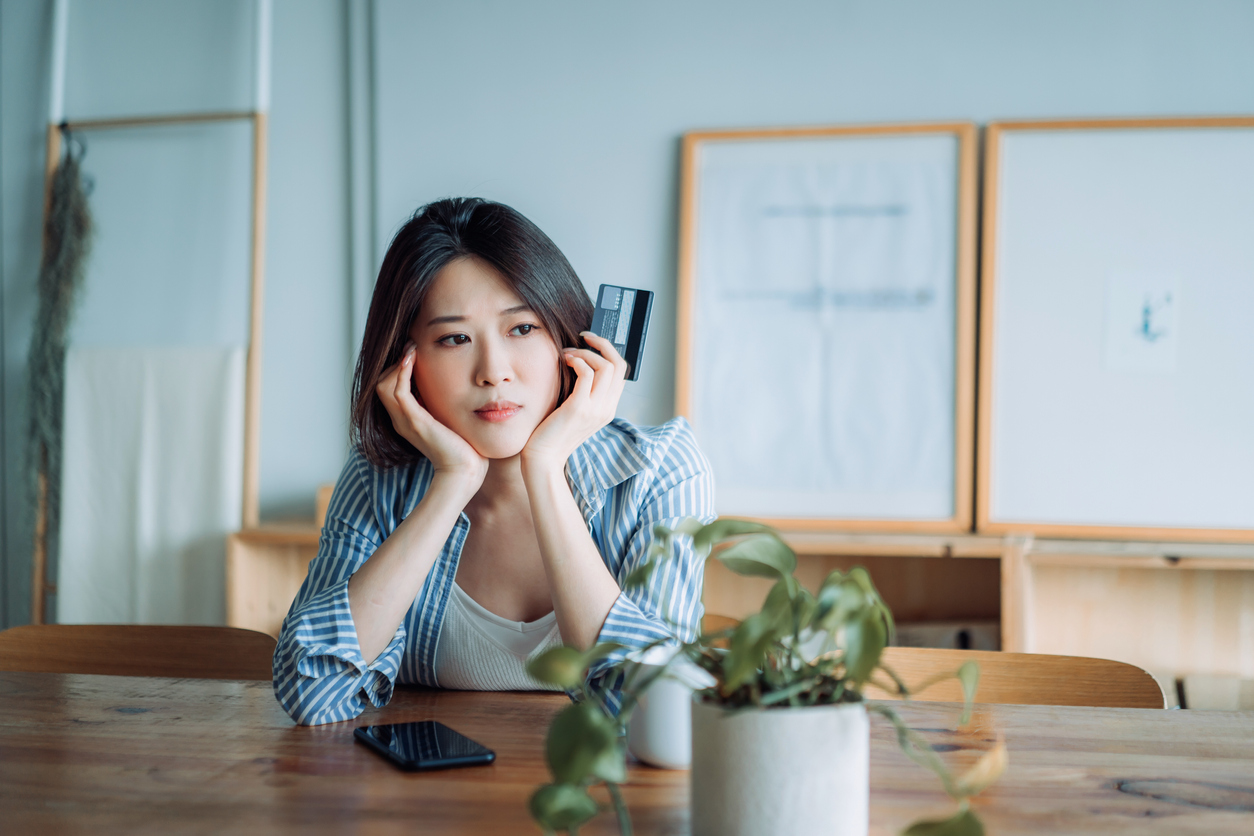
(1116,351)
(826,333)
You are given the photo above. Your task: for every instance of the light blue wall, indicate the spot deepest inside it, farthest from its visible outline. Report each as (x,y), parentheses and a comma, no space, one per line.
(158,56)
(572,111)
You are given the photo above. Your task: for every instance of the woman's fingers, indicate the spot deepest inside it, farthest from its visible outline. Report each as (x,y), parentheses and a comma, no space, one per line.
(403,381)
(584,376)
(395,390)
(610,366)
(607,349)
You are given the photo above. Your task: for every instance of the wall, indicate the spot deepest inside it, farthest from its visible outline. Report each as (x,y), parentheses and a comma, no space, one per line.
(153,56)
(571,112)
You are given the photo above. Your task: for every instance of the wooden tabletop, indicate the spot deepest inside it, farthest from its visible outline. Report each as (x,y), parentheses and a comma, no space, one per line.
(140,755)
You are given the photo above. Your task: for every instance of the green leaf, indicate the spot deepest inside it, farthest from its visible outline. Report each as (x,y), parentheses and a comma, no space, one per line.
(789,692)
(803,606)
(840,600)
(778,603)
(721,529)
(562,666)
(865,638)
(916,748)
(761,555)
(561,806)
(582,744)
(689,526)
(747,653)
(965,823)
(640,575)
(969,676)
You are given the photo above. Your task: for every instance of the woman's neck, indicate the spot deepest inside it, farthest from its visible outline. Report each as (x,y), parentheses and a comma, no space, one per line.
(503,485)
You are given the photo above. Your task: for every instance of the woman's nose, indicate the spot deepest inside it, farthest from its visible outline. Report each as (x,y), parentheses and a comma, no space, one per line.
(493,367)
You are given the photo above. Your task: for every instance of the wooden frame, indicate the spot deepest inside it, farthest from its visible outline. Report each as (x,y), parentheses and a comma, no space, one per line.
(252,375)
(988,291)
(964,301)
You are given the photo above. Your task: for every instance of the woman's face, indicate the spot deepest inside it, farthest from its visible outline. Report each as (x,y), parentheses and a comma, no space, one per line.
(484,365)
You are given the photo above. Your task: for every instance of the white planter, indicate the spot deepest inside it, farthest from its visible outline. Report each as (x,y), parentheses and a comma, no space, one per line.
(660,731)
(780,771)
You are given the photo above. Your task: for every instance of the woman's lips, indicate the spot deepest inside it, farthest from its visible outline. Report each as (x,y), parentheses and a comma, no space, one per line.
(498,411)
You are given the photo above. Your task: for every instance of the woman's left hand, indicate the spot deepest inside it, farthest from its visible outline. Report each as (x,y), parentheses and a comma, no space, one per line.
(590,406)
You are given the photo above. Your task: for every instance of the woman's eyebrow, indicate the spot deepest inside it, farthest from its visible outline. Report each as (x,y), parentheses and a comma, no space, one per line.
(439,320)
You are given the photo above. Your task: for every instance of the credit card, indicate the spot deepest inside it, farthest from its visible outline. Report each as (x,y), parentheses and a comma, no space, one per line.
(622,317)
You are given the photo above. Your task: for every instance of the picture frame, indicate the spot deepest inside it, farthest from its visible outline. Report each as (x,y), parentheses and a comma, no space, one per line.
(1116,259)
(851,252)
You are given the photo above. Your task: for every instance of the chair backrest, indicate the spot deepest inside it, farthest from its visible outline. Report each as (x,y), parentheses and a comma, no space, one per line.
(183,652)
(1011,678)
(1025,678)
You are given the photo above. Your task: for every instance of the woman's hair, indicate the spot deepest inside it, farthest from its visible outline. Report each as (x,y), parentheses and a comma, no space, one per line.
(529,262)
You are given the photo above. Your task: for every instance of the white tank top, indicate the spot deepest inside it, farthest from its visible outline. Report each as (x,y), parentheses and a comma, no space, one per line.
(479,650)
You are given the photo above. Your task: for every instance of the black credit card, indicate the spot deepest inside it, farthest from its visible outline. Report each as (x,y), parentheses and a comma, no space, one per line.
(622,317)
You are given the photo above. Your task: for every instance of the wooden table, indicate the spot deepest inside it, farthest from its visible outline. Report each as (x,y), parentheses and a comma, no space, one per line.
(136,755)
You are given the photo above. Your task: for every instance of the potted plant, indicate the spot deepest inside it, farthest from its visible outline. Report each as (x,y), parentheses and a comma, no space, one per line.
(781,739)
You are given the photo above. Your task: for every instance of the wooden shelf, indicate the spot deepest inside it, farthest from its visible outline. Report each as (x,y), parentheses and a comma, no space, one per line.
(265,567)
(1172,608)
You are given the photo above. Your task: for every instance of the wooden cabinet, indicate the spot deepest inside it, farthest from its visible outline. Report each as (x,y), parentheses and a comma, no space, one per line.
(264,570)
(265,567)
(1174,609)
(1171,608)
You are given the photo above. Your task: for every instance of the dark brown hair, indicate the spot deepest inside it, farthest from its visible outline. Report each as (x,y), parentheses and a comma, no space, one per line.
(528,261)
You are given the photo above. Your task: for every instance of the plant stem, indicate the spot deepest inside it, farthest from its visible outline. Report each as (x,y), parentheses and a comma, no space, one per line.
(620,809)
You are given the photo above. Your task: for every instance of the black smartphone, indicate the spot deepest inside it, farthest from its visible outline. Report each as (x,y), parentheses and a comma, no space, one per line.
(424,745)
(622,317)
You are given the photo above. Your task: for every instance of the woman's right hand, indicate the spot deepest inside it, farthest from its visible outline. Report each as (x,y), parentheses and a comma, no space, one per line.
(449,453)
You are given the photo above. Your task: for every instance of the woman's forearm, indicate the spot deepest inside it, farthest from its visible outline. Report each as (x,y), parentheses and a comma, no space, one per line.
(582,587)
(384,588)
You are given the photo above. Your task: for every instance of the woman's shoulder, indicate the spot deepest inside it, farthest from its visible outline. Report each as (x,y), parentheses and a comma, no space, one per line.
(361,481)
(661,447)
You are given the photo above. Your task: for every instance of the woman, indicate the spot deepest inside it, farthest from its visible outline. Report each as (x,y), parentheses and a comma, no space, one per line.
(492,505)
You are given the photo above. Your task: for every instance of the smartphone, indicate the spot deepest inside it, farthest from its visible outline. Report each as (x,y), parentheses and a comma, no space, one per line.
(424,745)
(622,317)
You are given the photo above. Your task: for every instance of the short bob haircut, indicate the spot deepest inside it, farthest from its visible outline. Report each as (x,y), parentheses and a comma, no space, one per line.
(460,227)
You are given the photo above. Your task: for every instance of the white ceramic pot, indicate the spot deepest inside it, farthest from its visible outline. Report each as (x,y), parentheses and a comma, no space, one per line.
(660,731)
(780,771)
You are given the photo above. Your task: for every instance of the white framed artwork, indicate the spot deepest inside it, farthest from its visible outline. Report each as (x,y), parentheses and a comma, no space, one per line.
(827,323)
(1117,356)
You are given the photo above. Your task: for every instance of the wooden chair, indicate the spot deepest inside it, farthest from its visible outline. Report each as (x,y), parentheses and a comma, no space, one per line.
(1026,678)
(182,652)
(1012,678)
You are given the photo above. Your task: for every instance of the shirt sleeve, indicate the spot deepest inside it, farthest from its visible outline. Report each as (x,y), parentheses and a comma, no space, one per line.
(669,605)
(320,675)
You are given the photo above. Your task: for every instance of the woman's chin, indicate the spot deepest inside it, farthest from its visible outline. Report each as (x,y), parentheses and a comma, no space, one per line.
(498,448)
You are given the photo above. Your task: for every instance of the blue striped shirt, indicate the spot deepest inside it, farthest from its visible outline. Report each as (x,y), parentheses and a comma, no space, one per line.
(625,480)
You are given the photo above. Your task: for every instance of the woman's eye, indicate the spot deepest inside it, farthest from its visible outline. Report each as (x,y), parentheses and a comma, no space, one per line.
(454,339)
(522,330)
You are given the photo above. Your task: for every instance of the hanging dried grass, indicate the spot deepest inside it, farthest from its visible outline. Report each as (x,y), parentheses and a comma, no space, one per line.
(67,243)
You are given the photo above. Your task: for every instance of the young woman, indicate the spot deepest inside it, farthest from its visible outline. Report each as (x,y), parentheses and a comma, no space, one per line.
(492,504)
